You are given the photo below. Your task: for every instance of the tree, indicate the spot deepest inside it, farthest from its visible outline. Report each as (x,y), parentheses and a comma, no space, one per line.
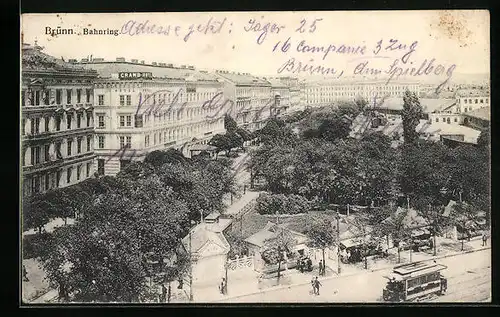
(367,235)
(396,226)
(36,212)
(229,124)
(321,235)
(484,139)
(412,112)
(282,241)
(270,204)
(226,142)
(465,217)
(158,158)
(102,257)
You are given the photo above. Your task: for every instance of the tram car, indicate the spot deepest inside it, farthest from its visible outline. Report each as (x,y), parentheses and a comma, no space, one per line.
(414,281)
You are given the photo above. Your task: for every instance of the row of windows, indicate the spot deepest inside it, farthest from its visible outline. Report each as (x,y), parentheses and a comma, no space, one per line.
(79,120)
(367,87)
(448,120)
(49,181)
(126,100)
(46,96)
(423,279)
(477,100)
(36,151)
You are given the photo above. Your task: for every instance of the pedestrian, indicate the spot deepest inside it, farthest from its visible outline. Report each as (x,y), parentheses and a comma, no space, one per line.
(313,285)
(222,286)
(181,283)
(163,297)
(320,267)
(317,284)
(485,238)
(25,274)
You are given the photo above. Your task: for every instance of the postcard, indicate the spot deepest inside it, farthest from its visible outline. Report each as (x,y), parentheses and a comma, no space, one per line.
(255,157)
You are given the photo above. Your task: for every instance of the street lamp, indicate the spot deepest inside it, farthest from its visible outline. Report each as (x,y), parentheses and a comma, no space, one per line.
(338,243)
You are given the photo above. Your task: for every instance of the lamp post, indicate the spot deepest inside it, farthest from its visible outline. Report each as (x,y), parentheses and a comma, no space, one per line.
(225,284)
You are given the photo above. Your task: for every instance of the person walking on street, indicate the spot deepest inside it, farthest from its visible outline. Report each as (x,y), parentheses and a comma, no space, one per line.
(313,285)
(320,267)
(485,238)
(222,286)
(317,284)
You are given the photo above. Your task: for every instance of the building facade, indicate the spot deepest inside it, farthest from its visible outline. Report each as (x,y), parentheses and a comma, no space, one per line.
(472,99)
(250,98)
(324,93)
(281,94)
(57,122)
(146,107)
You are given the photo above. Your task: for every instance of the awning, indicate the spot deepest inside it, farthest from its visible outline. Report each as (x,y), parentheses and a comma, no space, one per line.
(350,243)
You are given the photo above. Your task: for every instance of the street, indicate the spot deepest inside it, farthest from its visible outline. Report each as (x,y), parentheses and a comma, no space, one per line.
(469,280)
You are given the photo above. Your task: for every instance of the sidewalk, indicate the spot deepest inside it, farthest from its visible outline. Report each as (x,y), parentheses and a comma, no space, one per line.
(238,205)
(382,264)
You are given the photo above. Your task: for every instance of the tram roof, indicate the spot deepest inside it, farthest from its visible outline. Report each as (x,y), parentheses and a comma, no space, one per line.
(406,271)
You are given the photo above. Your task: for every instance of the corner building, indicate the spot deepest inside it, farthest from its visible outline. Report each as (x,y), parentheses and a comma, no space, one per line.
(57,122)
(142,107)
(251,99)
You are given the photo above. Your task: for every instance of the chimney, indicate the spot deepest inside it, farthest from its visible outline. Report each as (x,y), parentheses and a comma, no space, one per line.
(134,61)
(120,59)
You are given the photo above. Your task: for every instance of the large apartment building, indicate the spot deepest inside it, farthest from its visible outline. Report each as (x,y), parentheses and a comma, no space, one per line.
(145,107)
(57,124)
(325,92)
(251,100)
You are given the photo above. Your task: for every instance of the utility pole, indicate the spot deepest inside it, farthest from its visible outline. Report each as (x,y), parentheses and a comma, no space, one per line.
(225,286)
(191,269)
(338,243)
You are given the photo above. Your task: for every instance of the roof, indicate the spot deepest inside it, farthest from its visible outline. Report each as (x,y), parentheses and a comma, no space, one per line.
(470,135)
(243,79)
(472,93)
(417,269)
(269,232)
(481,113)
(411,218)
(34,59)
(213,216)
(202,147)
(429,105)
(105,69)
(219,226)
(201,235)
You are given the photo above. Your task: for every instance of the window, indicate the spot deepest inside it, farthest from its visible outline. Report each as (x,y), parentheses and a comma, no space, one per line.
(88,119)
(101,141)
(448,120)
(68,96)
(79,145)
(122,100)
(58,96)
(68,175)
(476,100)
(122,142)
(481,100)
(100,166)
(37,125)
(23,126)
(129,100)
(100,120)
(146,141)
(122,121)
(89,167)
(455,120)
(69,145)
(58,123)
(58,178)
(78,95)
(37,97)
(78,120)
(47,181)
(437,119)
(37,155)
(129,142)
(78,171)
(58,150)
(23,157)
(129,121)
(68,121)
(465,109)
(88,94)
(89,142)
(46,154)
(444,119)
(486,100)
(470,100)
(100,100)
(46,122)
(154,139)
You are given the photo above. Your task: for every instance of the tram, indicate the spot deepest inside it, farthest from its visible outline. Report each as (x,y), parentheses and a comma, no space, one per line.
(411,282)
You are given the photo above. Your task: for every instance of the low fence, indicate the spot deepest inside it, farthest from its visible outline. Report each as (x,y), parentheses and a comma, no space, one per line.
(245,262)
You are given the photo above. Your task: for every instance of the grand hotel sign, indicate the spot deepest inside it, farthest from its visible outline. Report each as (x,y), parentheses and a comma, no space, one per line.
(135,75)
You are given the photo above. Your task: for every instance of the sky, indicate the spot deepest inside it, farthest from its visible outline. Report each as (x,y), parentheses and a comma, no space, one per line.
(448,37)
